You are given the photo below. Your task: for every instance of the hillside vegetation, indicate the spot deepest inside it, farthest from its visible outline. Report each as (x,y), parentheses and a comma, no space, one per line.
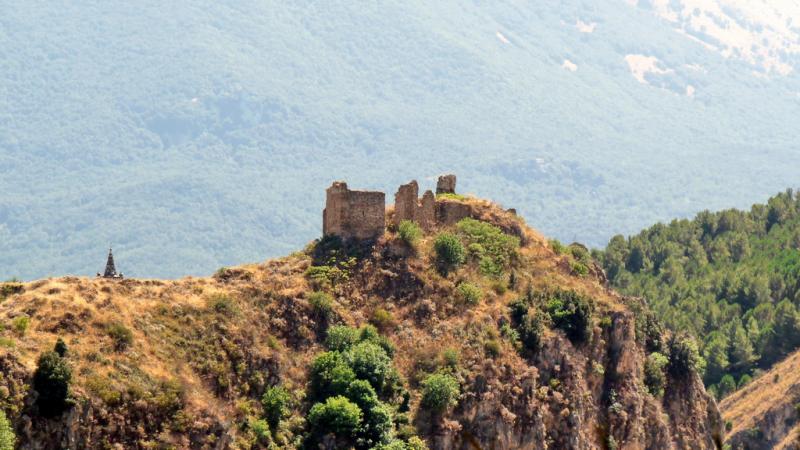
(765,414)
(200,133)
(477,335)
(731,279)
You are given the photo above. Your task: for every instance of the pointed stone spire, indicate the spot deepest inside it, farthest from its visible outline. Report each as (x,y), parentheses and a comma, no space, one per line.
(111,270)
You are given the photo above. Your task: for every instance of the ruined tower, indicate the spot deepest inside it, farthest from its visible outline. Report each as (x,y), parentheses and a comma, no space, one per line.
(407,206)
(353,214)
(446,184)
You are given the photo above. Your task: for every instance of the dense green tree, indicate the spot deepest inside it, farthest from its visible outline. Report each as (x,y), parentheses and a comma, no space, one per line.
(51,381)
(337,415)
(439,392)
(450,252)
(276,402)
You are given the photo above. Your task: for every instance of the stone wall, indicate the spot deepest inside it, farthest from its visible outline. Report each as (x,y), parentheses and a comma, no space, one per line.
(362,214)
(407,206)
(353,214)
(446,184)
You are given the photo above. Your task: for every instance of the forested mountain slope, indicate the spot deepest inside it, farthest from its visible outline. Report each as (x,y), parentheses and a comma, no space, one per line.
(195,134)
(731,279)
(477,334)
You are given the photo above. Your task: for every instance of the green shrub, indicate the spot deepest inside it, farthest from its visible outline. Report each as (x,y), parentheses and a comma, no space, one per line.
(449,252)
(60,348)
(276,402)
(415,443)
(744,381)
(469,293)
(684,357)
(451,357)
(222,304)
(7,437)
(578,268)
(654,377)
(572,313)
(10,288)
(121,335)
(726,386)
(531,330)
(322,304)
(493,348)
(493,249)
(369,362)
(439,392)
(409,232)
(499,287)
(330,375)
(20,324)
(382,319)
(557,246)
(336,415)
(261,431)
(51,381)
(341,337)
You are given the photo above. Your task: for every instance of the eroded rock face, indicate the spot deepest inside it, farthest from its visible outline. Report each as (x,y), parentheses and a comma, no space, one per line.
(596,401)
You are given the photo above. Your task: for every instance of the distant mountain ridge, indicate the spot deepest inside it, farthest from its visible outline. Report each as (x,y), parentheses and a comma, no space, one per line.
(197,134)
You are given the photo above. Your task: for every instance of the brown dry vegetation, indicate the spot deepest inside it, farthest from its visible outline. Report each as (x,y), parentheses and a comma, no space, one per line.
(205,349)
(766,412)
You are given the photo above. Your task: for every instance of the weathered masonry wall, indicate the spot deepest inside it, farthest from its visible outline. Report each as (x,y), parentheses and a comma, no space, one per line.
(362,214)
(353,214)
(407,206)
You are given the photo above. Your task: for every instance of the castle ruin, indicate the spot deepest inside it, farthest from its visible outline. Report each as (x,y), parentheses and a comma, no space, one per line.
(353,214)
(362,214)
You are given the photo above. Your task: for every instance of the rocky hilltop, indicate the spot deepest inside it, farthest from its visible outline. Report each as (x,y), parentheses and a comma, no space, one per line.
(470,332)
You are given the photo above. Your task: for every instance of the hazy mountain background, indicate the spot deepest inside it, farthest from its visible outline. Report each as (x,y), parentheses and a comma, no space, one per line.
(195,134)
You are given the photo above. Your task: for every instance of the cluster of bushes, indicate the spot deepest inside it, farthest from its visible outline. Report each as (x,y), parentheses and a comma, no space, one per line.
(730,279)
(488,246)
(479,242)
(566,310)
(276,404)
(357,394)
(9,288)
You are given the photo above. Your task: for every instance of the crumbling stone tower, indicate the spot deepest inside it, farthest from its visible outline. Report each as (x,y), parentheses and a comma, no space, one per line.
(407,206)
(446,184)
(353,214)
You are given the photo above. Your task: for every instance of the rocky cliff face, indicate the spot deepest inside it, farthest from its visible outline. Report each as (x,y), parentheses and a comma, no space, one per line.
(204,350)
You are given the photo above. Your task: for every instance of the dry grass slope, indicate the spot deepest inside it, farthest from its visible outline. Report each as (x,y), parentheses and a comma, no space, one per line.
(766,411)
